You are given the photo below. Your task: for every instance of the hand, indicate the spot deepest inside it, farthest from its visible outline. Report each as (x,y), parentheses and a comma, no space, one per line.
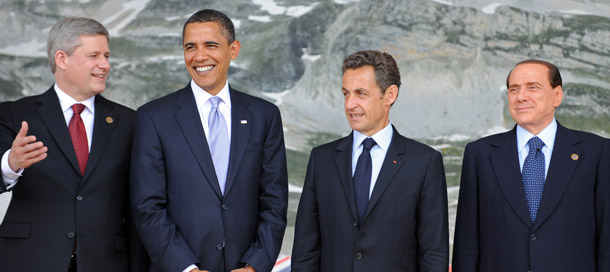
(197,270)
(25,150)
(248,268)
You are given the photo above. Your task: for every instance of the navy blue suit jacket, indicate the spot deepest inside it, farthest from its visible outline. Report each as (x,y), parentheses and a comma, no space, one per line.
(405,226)
(494,231)
(180,213)
(52,204)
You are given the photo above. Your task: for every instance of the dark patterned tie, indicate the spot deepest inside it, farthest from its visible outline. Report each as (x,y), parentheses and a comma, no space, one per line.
(79,137)
(533,176)
(362,177)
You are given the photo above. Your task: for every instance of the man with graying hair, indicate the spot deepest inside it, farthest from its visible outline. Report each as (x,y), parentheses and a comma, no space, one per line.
(66,156)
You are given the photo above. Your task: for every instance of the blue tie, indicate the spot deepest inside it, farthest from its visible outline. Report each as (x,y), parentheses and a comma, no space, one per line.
(362,177)
(219,142)
(533,175)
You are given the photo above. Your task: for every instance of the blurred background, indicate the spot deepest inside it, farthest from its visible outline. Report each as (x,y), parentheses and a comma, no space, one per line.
(454,56)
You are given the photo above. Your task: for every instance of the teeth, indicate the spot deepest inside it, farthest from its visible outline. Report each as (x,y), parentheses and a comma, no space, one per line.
(100,76)
(203,69)
(357,115)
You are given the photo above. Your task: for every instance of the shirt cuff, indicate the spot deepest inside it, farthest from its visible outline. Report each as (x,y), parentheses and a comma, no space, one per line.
(8,175)
(190,268)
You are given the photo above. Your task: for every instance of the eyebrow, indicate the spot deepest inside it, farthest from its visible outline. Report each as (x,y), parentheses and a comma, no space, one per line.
(526,83)
(206,42)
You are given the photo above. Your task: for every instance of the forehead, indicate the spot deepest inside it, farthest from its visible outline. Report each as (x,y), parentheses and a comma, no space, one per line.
(529,72)
(205,30)
(362,77)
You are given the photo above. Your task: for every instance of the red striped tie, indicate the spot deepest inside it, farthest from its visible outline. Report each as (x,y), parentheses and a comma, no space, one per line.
(79,137)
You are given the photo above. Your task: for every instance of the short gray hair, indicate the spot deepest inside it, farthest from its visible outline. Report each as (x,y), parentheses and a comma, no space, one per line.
(65,35)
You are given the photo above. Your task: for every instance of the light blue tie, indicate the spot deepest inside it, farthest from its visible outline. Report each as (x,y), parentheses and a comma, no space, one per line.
(533,175)
(219,142)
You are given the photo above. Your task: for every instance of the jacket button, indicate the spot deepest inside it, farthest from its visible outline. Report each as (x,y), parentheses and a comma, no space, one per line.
(358,255)
(355,224)
(225,207)
(219,247)
(71,235)
(79,198)
(533,237)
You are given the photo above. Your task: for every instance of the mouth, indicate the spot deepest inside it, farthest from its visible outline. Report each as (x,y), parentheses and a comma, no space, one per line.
(202,69)
(99,76)
(355,115)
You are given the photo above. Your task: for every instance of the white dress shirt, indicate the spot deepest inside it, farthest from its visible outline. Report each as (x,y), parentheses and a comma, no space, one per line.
(383,138)
(547,135)
(65,101)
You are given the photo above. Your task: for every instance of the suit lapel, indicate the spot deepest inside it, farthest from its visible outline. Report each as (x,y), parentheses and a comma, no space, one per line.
(343,162)
(391,164)
(559,174)
(241,121)
(187,117)
(505,163)
(52,116)
(103,123)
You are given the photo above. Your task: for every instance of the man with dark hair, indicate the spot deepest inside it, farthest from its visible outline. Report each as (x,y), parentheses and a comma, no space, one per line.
(66,156)
(537,197)
(209,180)
(374,200)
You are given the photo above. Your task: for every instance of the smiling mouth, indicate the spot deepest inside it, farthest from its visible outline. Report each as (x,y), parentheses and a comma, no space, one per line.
(99,76)
(204,68)
(355,115)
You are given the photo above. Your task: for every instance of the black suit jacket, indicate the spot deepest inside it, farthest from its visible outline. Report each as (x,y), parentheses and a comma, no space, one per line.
(52,204)
(494,231)
(405,225)
(181,215)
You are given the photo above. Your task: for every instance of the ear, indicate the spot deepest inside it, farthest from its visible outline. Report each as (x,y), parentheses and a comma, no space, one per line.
(558,91)
(234,47)
(61,60)
(390,95)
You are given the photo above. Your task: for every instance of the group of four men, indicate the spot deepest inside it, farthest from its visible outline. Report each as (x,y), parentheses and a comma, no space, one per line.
(202,185)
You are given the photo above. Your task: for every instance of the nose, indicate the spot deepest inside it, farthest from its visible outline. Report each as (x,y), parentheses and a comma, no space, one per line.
(104,63)
(349,102)
(201,54)
(521,95)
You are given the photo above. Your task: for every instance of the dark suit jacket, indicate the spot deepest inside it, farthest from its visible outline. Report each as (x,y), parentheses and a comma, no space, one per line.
(494,231)
(405,225)
(53,204)
(180,213)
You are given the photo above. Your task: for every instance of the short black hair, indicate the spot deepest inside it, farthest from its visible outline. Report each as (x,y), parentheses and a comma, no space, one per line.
(554,75)
(210,15)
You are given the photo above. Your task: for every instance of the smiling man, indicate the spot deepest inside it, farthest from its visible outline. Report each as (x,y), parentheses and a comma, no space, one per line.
(209,181)
(535,198)
(374,200)
(66,160)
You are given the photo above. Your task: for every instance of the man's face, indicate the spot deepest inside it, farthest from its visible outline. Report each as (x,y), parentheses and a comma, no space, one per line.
(207,55)
(85,71)
(366,108)
(531,99)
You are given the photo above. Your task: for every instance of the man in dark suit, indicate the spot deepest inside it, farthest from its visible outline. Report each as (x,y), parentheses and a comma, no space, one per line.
(209,181)
(69,178)
(535,198)
(392,215)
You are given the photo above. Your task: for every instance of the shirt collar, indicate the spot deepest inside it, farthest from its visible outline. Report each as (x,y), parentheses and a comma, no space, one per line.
(383,138)
(66,101)
(203,96)
(547,135)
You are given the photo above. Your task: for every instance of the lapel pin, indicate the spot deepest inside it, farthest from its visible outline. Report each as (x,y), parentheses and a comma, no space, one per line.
(574,157)
(109,120)
(243,122)
(395,162)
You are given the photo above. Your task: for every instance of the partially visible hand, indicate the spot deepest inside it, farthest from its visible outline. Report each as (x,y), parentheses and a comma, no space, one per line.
(249,268)
(25,150)
(197,270)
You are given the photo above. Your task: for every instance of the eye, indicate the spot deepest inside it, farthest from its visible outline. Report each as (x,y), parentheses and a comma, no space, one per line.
(345,93)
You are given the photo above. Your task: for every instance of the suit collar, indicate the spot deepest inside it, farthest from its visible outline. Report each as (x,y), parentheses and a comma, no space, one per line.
(187,117)
(241,123)
(104,121)
(343,162)
(505,163)
(561,169)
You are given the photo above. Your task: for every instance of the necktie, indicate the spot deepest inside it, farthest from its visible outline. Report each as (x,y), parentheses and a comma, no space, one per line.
(219,142)
(79,137)
(362,177)
(533,176)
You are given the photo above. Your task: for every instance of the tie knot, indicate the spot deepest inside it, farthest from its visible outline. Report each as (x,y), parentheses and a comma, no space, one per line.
(215,100)
(535,143)
(368,143)
(78,108)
